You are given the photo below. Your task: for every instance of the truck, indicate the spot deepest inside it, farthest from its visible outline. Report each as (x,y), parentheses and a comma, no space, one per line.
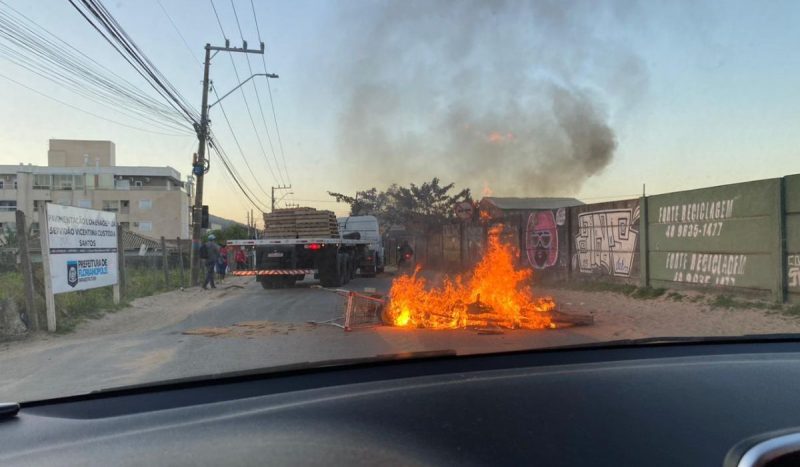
(305,241)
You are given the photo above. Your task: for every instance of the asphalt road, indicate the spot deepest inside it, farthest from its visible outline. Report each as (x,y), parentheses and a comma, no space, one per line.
(276,332)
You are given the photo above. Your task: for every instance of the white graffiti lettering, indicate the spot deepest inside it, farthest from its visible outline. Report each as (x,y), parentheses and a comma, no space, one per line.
(793,272)
(694,212)
(606,242)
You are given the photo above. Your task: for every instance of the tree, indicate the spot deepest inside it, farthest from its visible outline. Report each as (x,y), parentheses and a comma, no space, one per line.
(420,207)
(231,232)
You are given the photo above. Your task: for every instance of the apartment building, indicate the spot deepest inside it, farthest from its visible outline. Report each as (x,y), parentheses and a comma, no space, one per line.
(150,201)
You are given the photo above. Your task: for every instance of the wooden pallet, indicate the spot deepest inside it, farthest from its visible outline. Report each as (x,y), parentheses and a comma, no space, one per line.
(300,222)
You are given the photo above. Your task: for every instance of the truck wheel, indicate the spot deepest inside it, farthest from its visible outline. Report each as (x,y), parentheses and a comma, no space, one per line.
(330,271)
(344,265)
(267,282)
(287,281)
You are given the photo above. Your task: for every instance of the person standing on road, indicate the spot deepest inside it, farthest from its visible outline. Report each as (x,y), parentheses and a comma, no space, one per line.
(222,262)
(211,255)
(240,258)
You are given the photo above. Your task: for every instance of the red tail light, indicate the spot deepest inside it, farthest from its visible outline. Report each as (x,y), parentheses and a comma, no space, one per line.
(313,246)
(408,255)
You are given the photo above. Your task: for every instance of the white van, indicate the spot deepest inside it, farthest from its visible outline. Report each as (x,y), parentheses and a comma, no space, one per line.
(367,229)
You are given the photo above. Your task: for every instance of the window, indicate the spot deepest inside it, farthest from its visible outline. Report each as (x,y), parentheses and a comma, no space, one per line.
(138,183)
(105,182)
(34,228)
(111,206)
(85,203)
(41,182)
(1,184)
(8,205)
(125,206)
(145,204)
(145,226)
(78,181)
(62,182)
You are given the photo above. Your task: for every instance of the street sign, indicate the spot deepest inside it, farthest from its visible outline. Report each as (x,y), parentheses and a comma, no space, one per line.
(79,251)
(464,210)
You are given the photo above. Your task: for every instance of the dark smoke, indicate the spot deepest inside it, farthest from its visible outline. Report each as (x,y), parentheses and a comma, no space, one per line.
(501,92)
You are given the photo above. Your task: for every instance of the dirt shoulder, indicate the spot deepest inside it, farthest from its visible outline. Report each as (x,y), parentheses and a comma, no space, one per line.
(144,314)
(619,316)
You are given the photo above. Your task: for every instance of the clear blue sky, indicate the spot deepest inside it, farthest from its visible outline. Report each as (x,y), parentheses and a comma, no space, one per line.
(716,99)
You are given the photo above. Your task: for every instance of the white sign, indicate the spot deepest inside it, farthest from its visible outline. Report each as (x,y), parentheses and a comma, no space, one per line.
(82,248)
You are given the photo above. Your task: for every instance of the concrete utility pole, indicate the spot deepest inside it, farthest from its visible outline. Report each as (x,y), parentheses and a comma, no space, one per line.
(272,201)
(200,164)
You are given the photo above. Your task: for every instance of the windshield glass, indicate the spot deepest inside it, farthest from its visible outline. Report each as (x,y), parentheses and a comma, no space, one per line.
(194,188)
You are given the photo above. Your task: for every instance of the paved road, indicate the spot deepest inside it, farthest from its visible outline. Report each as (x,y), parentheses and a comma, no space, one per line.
(279,336)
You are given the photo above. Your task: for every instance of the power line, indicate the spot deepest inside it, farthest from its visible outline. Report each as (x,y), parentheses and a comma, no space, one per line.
(258,98)
(49,56)
(175,27)
(247,104)
(86,111)
(226,163)
(116,36)
(271,101)
(230,127)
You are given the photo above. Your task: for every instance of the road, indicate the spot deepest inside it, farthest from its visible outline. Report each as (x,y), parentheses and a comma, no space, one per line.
(124,348)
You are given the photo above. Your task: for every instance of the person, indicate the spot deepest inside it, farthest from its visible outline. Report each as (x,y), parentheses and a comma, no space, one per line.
(211,256)
(240,257)
(404,253)
(222,262)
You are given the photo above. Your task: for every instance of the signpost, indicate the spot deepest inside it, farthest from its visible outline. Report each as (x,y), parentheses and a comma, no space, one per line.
(79,252)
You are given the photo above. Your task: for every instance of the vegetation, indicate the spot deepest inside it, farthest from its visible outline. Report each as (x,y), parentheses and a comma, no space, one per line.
(420,207)
(231,232)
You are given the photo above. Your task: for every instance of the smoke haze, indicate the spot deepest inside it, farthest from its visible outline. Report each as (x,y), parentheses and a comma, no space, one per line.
(508,93)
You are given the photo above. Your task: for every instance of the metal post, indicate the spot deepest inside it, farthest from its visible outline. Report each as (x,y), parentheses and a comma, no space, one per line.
(121,262)
(644,233)
(27,271)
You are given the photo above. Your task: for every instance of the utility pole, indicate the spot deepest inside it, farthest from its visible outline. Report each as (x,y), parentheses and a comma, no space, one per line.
(200,163)
(272,201)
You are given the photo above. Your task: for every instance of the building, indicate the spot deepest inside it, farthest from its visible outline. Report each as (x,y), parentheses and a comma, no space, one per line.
(499,208)
(150,201)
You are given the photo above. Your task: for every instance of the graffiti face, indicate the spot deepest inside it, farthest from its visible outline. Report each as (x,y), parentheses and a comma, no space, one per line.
(542,239)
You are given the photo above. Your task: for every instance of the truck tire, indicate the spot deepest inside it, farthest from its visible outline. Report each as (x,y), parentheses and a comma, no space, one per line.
(267,282)
(330,270)
(287,281)
(344,264)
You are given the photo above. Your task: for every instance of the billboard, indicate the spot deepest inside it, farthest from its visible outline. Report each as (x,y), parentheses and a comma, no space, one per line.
(82,248)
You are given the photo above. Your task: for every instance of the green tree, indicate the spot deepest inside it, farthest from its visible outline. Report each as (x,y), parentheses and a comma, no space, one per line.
(231,232)
(420,207)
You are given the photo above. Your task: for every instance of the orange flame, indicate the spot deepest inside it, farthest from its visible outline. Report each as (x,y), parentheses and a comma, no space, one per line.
(495,295)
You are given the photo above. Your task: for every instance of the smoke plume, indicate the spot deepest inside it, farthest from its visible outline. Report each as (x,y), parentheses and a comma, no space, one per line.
(510,93)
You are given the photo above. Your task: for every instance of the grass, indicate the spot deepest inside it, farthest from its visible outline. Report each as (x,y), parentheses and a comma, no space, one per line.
(76,307)
(675,296)
(730,302)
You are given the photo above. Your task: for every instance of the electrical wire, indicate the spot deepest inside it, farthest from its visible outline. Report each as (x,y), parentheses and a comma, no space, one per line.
(271,101)
(258,99)
(175,27)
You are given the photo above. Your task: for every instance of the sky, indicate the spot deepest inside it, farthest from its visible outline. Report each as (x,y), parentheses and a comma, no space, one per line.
(584,99)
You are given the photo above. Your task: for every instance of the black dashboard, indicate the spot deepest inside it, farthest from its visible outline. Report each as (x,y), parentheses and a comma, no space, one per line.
(662,404)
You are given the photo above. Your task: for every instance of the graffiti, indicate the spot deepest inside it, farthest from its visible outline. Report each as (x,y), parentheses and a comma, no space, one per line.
(541,239)
(706,268)
(793,273)
(606,241)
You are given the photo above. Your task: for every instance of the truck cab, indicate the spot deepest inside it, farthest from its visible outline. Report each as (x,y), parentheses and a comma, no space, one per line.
(365,228)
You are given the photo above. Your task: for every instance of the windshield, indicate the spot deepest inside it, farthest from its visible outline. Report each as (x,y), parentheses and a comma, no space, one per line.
(194,188)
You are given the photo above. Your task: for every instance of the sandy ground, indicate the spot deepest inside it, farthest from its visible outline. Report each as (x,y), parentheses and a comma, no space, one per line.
(144,314)
(629,318)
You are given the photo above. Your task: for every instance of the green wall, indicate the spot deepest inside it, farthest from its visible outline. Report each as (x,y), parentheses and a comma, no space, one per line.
(721,237)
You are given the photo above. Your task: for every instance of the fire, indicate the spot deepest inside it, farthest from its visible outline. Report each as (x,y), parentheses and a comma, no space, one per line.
(494,295)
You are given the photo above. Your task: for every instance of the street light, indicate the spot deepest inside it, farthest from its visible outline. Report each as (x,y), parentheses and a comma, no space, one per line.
(268,75)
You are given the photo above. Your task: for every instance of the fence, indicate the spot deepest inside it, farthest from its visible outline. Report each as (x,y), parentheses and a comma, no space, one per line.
(742,237)
(164,265)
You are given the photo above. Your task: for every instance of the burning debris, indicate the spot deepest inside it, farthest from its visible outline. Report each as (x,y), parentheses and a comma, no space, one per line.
(495,295)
